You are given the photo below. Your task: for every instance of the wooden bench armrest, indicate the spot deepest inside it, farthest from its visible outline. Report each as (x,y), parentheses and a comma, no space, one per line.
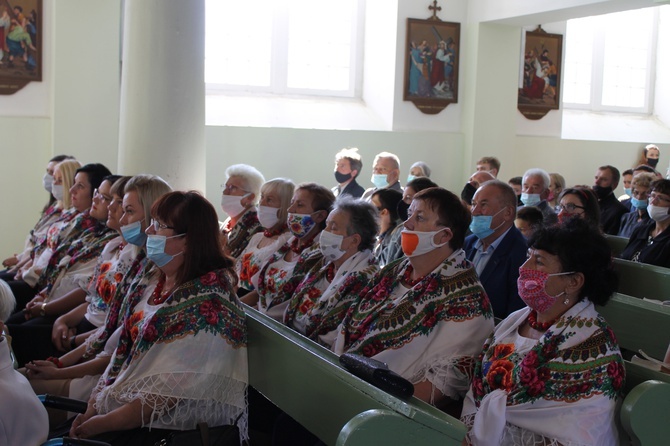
(645,413)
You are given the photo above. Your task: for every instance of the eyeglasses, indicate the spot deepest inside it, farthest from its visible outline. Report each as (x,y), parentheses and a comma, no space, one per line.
(158,225)
(569,207)
(660,198)
(231,188)
(101,197)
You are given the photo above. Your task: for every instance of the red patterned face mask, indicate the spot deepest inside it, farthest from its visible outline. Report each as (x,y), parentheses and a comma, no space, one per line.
(531,283)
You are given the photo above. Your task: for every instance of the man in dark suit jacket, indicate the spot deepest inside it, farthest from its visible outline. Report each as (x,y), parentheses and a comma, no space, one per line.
(611,210)
(496,247)
(348,165)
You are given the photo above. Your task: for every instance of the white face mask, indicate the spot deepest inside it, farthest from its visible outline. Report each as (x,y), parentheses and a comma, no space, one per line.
(232,204)
(330,245)
(267,216)
(58,192)
(47,182)
(416,243)
(658,213)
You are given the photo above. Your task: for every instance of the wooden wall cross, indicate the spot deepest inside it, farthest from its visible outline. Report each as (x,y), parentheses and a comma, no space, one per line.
(435,10)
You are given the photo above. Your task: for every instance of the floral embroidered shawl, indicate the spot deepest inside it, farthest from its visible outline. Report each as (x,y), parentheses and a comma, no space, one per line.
(240,234)
(321,305)
(432,331)
(186,357)
(253,258)
(563,389)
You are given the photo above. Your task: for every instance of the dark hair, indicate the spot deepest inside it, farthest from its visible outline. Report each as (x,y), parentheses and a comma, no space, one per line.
(581,248)
(532,215)
(421,183)
(191,214)
(646,168)
(616,176)
(111,178)
(96,173)
(322,198)
(516,181)
(661,186)
(588,199)
(389,198)
(450,212)
(362,219)
(627,172)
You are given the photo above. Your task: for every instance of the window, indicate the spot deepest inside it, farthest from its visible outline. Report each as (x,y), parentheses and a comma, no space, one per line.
(610,62)
(286,47)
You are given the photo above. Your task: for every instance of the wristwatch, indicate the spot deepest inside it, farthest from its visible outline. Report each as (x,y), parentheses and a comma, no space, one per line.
(43,309)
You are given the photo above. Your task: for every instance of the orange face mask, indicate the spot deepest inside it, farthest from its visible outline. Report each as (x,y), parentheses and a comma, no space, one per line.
(416,243)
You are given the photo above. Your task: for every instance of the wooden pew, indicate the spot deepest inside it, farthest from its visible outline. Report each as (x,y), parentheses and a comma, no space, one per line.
(644,413)
(642,280)
(618,244)
(307,382)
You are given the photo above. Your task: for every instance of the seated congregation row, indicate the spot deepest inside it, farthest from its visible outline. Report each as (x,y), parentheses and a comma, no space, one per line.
(128,305)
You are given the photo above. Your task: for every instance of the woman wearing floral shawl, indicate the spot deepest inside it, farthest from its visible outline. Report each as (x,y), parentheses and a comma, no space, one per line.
(552,372)
(181,358)
(427,315)
(344,267)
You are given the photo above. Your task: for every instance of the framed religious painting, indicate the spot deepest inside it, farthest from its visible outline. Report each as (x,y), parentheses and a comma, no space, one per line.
(431,64)
(20,44)
(540,76)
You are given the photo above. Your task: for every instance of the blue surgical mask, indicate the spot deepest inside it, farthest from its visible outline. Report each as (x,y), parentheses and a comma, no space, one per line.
(410,177)
(638,204)
(530,199)
(379,180)
(156,249)
(480,225)
(628,191)
(133,233)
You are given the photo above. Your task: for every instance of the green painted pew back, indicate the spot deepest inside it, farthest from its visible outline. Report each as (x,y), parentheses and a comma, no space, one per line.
(618,244)
(306,381)
(642,280)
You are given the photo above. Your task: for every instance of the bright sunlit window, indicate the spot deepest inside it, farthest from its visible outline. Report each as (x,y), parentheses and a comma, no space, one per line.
(284,47)
(610,62)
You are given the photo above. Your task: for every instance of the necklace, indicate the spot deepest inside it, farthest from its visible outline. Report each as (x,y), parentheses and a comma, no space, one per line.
(269,233)
(330,272)
(295,244)
(539,326)
(407,277)
(157,296)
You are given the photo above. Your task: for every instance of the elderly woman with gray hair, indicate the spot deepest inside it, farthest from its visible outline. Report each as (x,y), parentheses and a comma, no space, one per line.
(23,419)
(239,198)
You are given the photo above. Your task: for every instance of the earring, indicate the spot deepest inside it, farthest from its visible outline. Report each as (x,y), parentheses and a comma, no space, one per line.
(566,301)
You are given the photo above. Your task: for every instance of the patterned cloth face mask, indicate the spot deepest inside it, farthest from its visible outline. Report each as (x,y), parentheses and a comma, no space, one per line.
(300,224)
(415,243)
(531,283)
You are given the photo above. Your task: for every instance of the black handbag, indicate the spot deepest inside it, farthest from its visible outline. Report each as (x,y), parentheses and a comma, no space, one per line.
(377,373)
(228,435)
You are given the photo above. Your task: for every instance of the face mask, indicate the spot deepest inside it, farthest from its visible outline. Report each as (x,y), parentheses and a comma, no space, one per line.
(628,191)
(58,192)
(379,181)
(342,177)
(468,192)
(300,224)
(232,204)
(658,213)
(47,182)
(652,162)
(564,216)
(133,233)
(550,196)
(410,177)
(638,204)
(415,243)
(330,245)
(267,216)
(530,199)
(602,192)
(156,249)
(481,225)
(531,283)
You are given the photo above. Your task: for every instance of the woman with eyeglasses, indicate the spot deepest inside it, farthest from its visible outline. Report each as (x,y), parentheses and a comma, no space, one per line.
(181,357)
(579,202)
(650,243)
(552,372)
(239,198)
(639,201)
